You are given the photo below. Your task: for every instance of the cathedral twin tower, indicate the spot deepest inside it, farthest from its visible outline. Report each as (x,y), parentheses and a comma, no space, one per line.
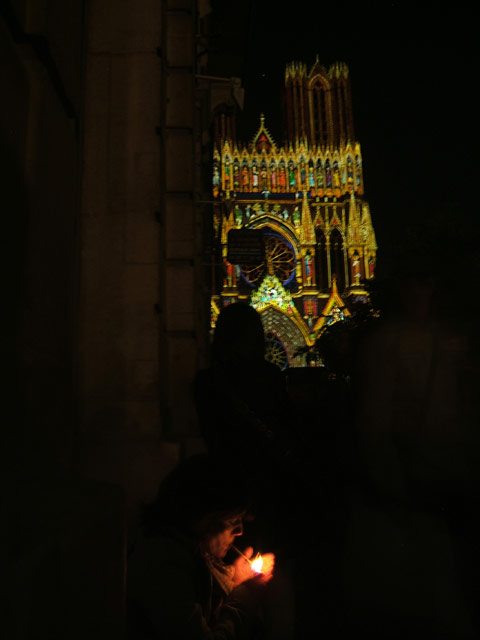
(318,105)
(306,198)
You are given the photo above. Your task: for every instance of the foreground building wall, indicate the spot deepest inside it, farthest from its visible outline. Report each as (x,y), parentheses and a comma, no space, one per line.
(144,306)
(107,314)
(121,245)
(64,535)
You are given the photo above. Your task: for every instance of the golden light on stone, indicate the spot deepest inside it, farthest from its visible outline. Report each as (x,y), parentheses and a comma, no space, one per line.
(307,197)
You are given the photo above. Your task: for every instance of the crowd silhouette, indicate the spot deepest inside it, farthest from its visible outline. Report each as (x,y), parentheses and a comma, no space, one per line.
(363,476)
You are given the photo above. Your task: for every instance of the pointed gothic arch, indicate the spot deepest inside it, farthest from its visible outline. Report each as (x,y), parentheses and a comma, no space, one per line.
(337,258)
(318,98)
(278,323)
(298,195)
(322,261)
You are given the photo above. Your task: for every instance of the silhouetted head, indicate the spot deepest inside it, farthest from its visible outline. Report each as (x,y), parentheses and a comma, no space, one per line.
(239,335)
(202,496)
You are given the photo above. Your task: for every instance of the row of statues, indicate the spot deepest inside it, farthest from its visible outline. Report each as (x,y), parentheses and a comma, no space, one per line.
(243,216)
(285,177)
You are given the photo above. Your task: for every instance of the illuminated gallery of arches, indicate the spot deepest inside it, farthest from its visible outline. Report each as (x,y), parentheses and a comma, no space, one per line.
(306,197)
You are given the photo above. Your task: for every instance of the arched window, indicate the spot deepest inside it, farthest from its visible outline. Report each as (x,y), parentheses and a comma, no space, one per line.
(342,115)
(319,107)
(349,170)
(343,110)
(299,109)
(282,176)
(358,171)
(245,176)
(321,261)
(311,175)
(328,173)
(273,175)
(320,175)
(337,260)
(236,174)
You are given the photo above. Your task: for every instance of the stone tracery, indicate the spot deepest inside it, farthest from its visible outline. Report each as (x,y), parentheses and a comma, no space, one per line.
(307,196)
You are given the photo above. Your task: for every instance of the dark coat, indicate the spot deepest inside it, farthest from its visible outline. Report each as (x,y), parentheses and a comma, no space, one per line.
(172,595)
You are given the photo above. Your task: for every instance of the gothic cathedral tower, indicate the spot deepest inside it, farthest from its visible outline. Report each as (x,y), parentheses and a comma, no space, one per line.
(305,199)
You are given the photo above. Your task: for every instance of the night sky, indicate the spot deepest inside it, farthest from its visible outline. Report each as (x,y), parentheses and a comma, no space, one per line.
(414,81)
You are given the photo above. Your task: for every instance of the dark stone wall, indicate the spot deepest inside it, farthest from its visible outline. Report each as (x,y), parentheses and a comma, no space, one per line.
(105,318)
(64,535)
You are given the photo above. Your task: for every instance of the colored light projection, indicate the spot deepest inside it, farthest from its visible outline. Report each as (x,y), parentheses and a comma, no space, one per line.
(307,198)
(271,292)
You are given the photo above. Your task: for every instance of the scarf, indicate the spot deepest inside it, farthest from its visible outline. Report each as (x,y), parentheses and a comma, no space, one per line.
(222,573)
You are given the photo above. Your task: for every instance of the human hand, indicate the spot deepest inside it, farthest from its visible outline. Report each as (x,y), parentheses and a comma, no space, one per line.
(266,573)
(243,568)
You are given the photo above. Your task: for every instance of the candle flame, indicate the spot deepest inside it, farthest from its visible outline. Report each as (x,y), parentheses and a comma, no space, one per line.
(257,564)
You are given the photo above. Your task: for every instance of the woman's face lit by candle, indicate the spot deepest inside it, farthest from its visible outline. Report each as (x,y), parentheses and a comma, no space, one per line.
(219,543)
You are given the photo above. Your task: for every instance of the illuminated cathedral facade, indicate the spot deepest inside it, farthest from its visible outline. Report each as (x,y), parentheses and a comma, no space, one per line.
(306,197)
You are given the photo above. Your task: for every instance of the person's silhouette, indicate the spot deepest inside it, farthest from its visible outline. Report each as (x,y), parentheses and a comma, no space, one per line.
(244,410)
